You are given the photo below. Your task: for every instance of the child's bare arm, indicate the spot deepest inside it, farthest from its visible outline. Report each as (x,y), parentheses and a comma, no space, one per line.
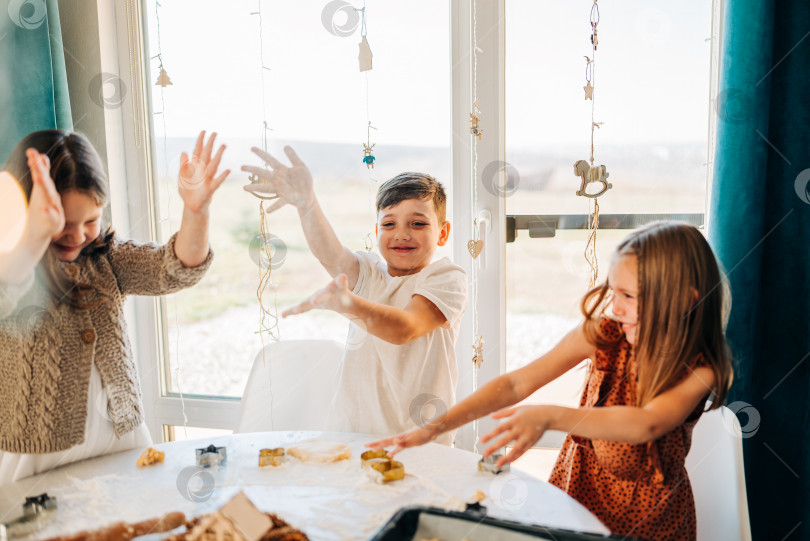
(627,424)
(294,186)
(197,182)
(500,392)
(396,325)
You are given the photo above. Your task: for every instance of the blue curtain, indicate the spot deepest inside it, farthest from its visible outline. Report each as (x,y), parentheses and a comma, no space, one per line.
(33,82)
(760,228)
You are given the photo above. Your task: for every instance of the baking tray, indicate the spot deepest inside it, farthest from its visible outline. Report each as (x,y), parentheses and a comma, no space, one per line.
(428,523)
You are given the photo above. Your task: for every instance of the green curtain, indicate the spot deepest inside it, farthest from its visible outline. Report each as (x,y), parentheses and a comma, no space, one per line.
(33,81)
(760,227)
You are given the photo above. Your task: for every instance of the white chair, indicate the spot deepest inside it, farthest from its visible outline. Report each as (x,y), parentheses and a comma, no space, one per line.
(291,386)
(715,468)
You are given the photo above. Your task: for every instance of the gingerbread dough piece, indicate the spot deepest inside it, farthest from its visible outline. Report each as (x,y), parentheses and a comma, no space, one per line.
(149,457)
(320,451)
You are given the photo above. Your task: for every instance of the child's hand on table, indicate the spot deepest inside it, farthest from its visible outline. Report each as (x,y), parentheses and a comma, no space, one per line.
(197,180)
(335,296)
(293,185)
(525,426)
(46,217)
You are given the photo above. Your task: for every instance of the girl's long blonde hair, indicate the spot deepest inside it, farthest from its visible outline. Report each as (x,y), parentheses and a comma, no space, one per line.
(683,304)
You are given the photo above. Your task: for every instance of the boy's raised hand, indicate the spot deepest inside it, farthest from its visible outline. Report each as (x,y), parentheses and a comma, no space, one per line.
(335,296)
(197,180)
(293,184)
(46,217)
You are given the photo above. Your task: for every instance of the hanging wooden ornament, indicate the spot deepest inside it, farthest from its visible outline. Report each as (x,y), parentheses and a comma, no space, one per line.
(589,175)
(368,157)
(368,148)
(588,88)
(474,120)
(475,247)
(365,55)
(163,79)
(478,351)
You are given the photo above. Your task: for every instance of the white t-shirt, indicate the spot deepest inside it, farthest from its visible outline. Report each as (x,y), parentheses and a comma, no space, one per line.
(385,388)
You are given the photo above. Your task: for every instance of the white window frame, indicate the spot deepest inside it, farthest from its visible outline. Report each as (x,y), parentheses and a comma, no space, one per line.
(132,173)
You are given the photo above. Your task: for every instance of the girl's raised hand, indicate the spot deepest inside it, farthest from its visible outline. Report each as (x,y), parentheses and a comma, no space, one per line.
(525,425)
(197,180)
(293,184)
(46,217)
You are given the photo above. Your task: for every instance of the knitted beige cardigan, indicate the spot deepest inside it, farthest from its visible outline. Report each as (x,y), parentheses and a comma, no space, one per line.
(47,348)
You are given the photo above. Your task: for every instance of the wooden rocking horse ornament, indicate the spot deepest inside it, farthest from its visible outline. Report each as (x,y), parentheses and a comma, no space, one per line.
(591,174)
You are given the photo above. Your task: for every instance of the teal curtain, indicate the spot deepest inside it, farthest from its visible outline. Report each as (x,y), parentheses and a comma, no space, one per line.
(33,82)
(760,227)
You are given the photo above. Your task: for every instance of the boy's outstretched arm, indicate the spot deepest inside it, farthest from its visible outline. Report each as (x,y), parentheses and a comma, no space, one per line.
(294,186)
(396,325)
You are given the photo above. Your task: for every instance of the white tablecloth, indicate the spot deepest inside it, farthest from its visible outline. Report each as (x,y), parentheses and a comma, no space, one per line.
(334,501)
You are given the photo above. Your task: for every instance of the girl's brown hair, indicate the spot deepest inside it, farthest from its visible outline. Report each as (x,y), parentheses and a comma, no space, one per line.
(683,307)
(75,165)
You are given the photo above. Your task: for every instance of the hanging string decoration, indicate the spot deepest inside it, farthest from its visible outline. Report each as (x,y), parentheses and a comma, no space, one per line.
(365,66)
(268,316)
(364,58)
(164,81)
(476,245)
(585,169)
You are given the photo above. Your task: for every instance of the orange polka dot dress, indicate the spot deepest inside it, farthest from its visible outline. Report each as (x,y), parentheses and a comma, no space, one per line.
(636,490)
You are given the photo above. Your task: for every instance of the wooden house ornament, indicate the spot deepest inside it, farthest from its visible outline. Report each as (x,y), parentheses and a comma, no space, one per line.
(365,55)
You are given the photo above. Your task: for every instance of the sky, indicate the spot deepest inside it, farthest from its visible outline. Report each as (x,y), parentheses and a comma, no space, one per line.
(652,71)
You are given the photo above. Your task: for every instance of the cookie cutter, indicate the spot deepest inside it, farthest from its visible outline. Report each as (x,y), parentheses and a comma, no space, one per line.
(271,457)
(211,456)
(381,467)
(488,464)
(37,510)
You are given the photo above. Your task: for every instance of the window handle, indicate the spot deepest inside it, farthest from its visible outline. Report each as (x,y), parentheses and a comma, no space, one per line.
(484,228)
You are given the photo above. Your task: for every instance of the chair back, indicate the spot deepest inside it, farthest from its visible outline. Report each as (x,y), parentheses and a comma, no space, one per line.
(715,468)
(291,386)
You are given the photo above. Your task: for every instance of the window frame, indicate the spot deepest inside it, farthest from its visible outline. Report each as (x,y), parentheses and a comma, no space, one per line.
(131,157)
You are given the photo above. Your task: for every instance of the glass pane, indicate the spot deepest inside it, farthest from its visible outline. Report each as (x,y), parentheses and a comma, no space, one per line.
(180,433)
(315,100)
(651,89)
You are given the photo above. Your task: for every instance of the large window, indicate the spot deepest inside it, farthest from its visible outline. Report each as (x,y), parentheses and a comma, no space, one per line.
(652,92)
(315,99)
(652,95)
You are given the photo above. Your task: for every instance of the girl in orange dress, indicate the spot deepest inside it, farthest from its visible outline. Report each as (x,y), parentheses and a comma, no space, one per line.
(655,334)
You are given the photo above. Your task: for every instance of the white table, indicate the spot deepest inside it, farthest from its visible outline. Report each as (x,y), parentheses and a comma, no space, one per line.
(327,501)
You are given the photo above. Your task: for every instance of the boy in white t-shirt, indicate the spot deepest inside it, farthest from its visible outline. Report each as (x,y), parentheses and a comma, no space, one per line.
(399,368)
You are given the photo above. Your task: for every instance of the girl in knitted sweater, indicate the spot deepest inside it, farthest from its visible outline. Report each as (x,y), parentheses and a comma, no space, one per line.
(69,386)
